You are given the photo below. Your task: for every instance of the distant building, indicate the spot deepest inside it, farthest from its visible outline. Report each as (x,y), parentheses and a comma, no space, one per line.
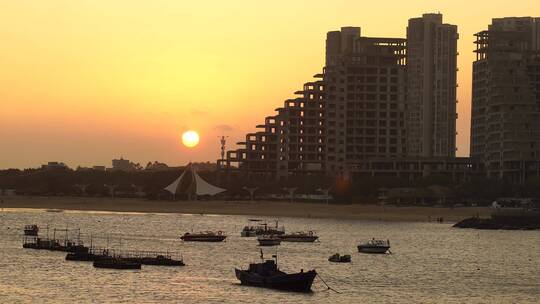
(505,120)
(99,168)
(431,87)
(53,165)
(157,166)
(123,165)
(455,169)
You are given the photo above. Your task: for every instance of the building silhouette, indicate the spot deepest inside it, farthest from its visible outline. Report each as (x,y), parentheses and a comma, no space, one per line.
(431,87)
(364,99)
(381,107)
(505,120)
(289,143)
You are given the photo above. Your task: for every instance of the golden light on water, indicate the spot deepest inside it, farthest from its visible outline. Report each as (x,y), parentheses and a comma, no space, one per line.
(190,138)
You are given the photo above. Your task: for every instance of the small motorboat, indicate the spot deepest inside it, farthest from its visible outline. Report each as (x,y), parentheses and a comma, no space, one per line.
(374,246)
(267,274)
(206,236)
(115,263)
(31,230)
(301,236)
(337,258)
(269,240)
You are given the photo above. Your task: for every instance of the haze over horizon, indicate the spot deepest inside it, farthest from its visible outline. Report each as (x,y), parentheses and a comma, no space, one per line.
(88,81)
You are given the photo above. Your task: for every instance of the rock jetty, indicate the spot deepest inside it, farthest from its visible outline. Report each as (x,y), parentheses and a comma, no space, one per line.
(499,223)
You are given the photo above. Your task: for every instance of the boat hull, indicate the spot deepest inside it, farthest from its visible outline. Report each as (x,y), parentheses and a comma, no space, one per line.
(106,263)
(299,282)
(217,238)
(248,233)
(299,239)
(269,242)
(157,261)
(85,257)
(373,249)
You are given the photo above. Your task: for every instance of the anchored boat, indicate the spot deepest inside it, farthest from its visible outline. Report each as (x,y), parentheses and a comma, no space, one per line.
(337,258)
(301,236)
(31,230)
(207,236)
(267,274)
(269,240)
(374,246)
(261,229)
(115,263)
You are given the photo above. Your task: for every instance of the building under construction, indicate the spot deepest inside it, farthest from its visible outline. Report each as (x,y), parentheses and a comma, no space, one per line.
(505,120)
(354,119)
(290,142)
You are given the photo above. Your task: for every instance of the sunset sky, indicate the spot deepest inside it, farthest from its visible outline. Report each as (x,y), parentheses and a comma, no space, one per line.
(86,81)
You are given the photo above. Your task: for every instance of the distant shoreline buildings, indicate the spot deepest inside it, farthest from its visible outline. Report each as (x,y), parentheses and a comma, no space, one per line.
(387,107)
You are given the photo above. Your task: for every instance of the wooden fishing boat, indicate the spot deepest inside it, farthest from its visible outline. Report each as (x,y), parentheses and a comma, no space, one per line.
(267,274)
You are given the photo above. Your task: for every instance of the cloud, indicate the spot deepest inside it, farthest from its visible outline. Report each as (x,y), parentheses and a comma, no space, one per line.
(224,128)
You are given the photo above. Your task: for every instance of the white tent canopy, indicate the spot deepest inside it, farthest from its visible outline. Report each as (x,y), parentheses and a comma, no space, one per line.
(197,185)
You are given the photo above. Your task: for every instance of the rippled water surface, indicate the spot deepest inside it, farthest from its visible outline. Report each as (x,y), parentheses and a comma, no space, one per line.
(431,263)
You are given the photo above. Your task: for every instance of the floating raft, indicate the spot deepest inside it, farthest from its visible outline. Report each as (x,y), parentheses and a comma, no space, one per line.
(115,263)
(53,244)
(158,258)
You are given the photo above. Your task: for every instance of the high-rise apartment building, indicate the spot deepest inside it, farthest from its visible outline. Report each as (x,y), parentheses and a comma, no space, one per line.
(364,98)
(374,104)
(505,120)
(431,87)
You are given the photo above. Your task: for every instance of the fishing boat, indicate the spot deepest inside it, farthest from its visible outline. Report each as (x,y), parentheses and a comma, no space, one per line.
(159,260)
(337,258)
(261,228)
(31,230)
(269,240)
(251,230)
(304,237)
(268,275)
(374,246)
(115,263)
(206,236)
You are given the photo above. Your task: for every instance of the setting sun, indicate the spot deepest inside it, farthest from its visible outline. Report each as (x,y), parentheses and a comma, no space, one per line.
(190,139)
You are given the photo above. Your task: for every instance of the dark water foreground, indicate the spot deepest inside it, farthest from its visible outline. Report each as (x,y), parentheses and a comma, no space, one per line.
(431,263)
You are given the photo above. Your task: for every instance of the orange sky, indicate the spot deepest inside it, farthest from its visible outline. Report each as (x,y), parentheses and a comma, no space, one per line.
(87,81)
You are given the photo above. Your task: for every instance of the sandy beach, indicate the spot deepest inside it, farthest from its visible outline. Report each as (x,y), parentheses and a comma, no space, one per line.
(256,208)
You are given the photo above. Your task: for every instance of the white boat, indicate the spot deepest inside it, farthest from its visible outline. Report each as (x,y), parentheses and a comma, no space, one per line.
(374,246)
(261,228)
(303,237)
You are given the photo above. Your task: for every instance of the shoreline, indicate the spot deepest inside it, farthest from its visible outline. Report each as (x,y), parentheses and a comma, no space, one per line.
(255,208)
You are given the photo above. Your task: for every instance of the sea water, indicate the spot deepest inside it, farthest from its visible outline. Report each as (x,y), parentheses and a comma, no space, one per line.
(429,263)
